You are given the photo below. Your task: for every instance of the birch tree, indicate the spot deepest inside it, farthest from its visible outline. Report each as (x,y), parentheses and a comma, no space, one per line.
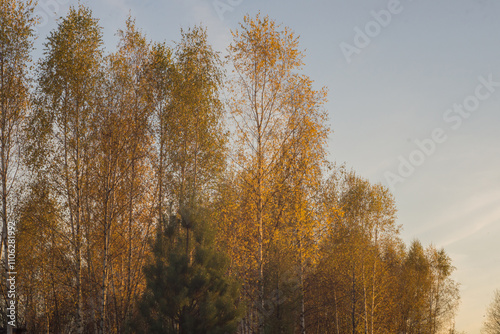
(492,323)
(43,256)
(186,83)
(70,78)
(125,177)
(274,109)
(195,136)
(16,43)
(160,81)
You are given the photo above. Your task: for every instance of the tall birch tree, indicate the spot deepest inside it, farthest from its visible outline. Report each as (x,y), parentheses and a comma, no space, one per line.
(16,43)
(274,110)
(70,78)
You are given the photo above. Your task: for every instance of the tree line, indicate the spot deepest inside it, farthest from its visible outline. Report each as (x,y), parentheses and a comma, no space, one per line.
(164,189)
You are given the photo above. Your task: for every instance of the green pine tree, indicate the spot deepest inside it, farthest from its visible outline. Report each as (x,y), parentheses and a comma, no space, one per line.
(187,286)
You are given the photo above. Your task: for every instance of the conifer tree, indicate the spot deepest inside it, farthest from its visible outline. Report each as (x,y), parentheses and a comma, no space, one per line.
(187,292)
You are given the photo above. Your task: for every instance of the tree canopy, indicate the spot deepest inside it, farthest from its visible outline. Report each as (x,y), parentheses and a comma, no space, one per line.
(167,190)
(491,324)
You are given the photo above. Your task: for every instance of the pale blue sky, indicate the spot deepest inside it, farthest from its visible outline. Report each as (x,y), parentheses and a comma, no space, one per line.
(394,91)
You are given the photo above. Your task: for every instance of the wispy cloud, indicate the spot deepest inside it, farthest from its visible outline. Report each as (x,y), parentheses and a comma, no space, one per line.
(479,214)
(472,209)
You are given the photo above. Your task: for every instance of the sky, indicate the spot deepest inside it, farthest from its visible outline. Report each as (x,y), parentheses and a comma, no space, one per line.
(414,104)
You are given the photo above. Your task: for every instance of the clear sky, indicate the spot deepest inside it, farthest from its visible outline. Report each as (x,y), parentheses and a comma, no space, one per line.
(414,103)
